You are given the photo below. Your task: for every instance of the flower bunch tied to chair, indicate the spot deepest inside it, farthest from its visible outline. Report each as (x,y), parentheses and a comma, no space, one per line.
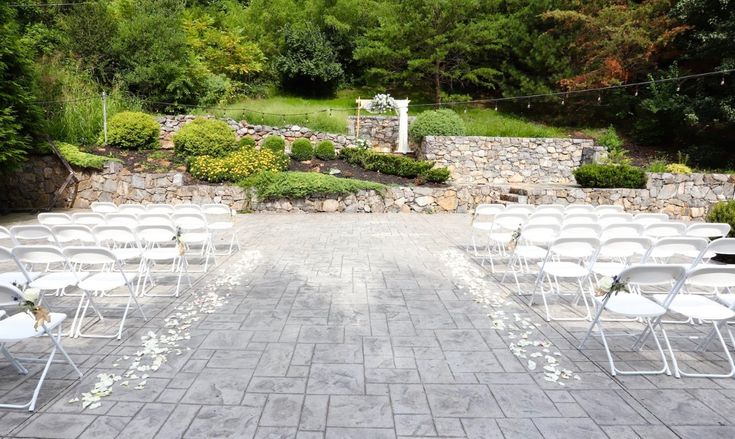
(29,302)
(179,241)
(610,286)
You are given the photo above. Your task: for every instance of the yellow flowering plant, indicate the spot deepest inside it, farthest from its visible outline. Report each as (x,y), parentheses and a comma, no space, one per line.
(237,165)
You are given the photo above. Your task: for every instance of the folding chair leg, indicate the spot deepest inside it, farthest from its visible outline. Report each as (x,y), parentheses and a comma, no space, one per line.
(13,361)
(723,343)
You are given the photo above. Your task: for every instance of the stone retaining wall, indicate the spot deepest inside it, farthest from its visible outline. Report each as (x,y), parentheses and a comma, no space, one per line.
(33,185)
(494,160)
(381,131)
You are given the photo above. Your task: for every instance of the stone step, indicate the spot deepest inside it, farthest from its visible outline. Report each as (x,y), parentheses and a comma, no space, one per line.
(509,198)
(518,190)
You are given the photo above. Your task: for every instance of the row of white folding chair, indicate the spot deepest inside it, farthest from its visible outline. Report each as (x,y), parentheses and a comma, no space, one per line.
(484,209)
(681,296)
(94,270)
(108,207)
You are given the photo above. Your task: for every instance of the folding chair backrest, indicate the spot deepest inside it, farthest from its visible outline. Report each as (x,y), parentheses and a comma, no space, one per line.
(577,247)
(88,218)
(154,219)
(546,217)
(621,230)
(54,219)
(90,256)
(508,221)
(187,208)
(9,296)
(580,218)
(38,254)
(121,219)
(540,233)
(579,208)
(4,233)
(520,208)
(650,218)
(581,230)
(216,209)
(32,234)
(133,209)
(629,246)
(156,234)
(708,230)
(190,221)
(614,218)
(665,229)
(488,209)
(712,276)
(160,208)
(604,209)
(677,246)
(115,235)
(74,233)
(103,207)
(653,274)
(724,246)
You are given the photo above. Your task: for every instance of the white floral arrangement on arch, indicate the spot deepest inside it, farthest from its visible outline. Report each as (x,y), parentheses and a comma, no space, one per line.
(382,103)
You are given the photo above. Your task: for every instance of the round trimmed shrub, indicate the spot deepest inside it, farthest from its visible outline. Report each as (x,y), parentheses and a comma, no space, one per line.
(325,150)
(723,212)
(610,176)
(205,137)
(132,130)
(301,150)
(246,142)
(274,143)
(678,168)
(443,122)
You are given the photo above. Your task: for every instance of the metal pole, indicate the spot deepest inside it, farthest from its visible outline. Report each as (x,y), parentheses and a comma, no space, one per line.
(104,115)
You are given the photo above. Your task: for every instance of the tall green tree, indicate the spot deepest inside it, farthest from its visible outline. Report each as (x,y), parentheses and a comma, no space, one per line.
(20,117)
(437,45)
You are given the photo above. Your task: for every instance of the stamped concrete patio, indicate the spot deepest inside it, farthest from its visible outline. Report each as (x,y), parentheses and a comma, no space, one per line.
(366,326)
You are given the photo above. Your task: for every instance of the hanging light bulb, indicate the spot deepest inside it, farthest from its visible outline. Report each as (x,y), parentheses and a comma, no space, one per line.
(723,80)
(636,91)
(465,110)
(496,107)
(562,101)
(599,99)
(529,104)
(678,87)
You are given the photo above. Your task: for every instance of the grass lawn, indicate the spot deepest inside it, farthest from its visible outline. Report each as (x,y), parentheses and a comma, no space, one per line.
(479,121)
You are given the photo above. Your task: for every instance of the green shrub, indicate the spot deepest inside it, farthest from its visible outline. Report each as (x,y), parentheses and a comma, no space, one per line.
(610,139)
(723,212)
(247,142)
(275,185)
(274,143)
(678,168)
(610,176)
(443,122)
(132,130)
(237,165)
(393,164)
(301,150)
(325,150)
(82,159)
(658,165)
(205,137)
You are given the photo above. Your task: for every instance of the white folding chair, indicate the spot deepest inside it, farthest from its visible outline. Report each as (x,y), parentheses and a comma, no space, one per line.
(618,253)
(520,208)
(154,219)
(501,233)
(195,232)
(570,259)
(722,246)
(546,218)
(665,229)
(621,230)
(482,222)
(121,219)
(103,207)
(650,218)
(605,209)
(132,209)
(591,230)
(160,247)
(531,247)
(220,219)
(605,219)
(187,208)
(633,303)
(56,281)
(32,234)
(708,230)
(121,240)
(665,249)
(54,219)
(90,219)
(108,275)
(166,209)
(578,208)
(580,218)
(20,327)
(549,208)
(75,234)
(21,277)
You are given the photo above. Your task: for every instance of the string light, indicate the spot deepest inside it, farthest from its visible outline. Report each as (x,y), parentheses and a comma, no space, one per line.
(496,106)
(529,104)
(678,87)
(599,99)
(636,91)
(723,80)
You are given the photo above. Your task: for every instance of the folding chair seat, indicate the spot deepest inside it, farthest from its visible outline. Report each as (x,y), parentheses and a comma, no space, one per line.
(32,234)
(54,219)
(482,222)
(635,303)
(531,248)
(708,230)
(696,306)
(108,275)
(570,259)
(18,328)
(21,277)
(90,219)
(103,207)
(195,232)
(160,247)
(165,209)
(74,234)
(220,219)
(57,281)
(501,233)
(131,209)
(650,218)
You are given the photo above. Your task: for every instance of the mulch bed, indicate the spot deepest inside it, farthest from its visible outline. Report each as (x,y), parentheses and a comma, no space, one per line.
(351,171)
(152,160)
